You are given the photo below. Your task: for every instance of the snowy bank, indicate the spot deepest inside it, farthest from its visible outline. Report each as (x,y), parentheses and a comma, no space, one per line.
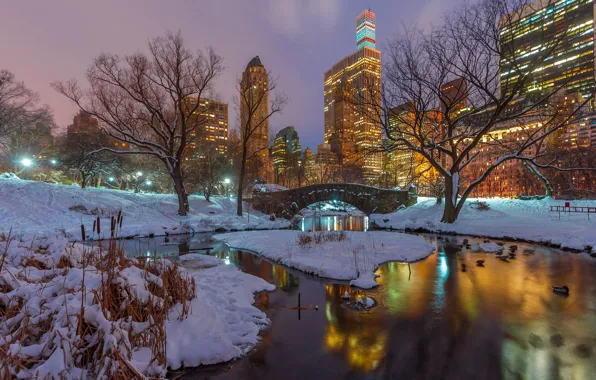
(529,220)
(35,207)
(224,324)
(355,258)
(77,312)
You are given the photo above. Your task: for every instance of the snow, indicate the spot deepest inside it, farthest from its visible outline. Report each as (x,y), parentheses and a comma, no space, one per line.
(9,175)
(455,189)
(367,302)
(224,324)
(529,220)
(490,247)
(268,187)
(55,207)
(355,258)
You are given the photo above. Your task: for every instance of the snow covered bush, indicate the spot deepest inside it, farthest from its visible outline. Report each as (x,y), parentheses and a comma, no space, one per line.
(85,312)
(305,238)
(8,176)
(480,205)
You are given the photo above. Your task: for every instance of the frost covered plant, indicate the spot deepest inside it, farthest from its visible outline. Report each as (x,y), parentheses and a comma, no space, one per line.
(305,238)
(480,205)
(83,312)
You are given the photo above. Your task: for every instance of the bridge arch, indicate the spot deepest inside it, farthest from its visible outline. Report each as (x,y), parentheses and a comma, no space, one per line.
(367,199)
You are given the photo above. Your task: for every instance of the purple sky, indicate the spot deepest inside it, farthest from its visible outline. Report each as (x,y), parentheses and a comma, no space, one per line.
(44,41)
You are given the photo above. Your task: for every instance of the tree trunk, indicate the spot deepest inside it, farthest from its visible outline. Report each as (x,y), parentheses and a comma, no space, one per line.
(183,206)
(241,182)
(451,209)
(83,180)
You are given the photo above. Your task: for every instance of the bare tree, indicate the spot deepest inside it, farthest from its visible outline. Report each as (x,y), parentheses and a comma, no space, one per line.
(209,173)
(29,140)
(82,154)
(255,108)
(495,106)
(18,105)
(150,103)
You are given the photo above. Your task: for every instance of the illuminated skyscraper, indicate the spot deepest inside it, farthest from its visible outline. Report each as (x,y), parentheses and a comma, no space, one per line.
(365,30)
(555,39)
(213,128)
(351,130)
(285,152)
(255,104)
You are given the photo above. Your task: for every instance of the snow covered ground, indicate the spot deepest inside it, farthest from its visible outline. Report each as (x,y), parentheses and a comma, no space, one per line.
(529,220)
(45,288)
(37,208)
(355,258)
(224,324)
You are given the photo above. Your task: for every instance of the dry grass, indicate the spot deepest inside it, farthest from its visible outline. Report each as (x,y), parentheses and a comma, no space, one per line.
(305,238)
(136,320)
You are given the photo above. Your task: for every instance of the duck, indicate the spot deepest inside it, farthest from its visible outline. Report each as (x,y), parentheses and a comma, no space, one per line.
(463,267)
(479,263)
(512,255)
(345,296)
(465,242)
(468,246)
(513,248)
(561,289)
(503,258)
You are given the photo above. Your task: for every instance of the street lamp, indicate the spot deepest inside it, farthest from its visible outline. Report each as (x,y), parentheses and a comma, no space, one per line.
(26,162)
(227,181)
(139,174)
(110,179)
(148,183)
(53,161)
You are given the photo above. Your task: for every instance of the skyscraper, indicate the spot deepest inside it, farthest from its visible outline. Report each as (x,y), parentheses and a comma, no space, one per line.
(350,85)
(212,130)
(554,39)
(254,113)
(285,153)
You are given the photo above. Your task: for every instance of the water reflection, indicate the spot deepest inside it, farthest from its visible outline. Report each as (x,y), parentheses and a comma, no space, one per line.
(438,318)
(340,222)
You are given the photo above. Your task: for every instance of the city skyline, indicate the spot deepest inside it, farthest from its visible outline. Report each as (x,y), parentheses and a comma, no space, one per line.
(300,68)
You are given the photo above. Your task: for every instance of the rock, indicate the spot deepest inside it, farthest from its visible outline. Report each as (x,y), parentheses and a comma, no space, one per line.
(536,341)
(583,350)
(557,340)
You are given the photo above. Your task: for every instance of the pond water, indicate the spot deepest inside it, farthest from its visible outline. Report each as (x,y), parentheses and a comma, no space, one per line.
(442,317)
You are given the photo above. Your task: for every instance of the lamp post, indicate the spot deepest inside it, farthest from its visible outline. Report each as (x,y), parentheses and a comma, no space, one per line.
(26,162)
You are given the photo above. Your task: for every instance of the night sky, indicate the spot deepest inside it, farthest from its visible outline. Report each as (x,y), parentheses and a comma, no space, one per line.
(298,40)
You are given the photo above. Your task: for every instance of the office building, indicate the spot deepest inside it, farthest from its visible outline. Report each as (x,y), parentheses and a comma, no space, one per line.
(352,88)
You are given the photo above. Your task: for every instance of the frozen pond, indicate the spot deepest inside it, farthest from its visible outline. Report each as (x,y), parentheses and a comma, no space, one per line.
(442,317)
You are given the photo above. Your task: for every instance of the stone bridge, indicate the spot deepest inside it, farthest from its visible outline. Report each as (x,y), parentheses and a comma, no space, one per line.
(367,199)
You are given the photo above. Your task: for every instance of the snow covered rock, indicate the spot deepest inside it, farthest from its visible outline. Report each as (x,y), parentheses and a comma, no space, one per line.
(9,175)
(490,247)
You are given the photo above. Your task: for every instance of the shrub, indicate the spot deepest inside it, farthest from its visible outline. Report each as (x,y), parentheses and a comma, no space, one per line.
(305,238)
(480,205)
(111,305)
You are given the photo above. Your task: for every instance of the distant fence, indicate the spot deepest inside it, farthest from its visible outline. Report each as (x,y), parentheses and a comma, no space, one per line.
(568,209)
